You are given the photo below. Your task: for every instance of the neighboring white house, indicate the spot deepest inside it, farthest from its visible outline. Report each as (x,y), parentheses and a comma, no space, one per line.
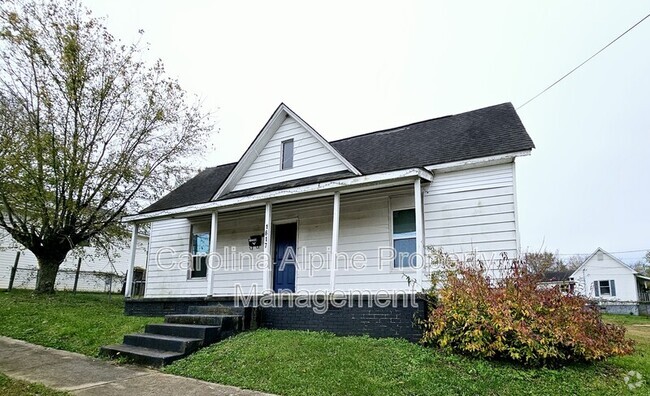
(617,287)
(97,272)
(358,213)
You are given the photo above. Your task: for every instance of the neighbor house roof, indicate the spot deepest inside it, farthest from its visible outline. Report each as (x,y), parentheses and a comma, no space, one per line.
(556,276)
(479,133)
(615,259)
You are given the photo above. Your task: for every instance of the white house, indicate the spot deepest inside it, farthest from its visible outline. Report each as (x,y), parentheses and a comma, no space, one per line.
(298,215)
(617,287)
(97,273)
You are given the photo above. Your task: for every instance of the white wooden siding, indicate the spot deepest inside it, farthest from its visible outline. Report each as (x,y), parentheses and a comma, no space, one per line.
(167,273)
(602,270)
(311,158)
(364,228)
(472,210)
(465,211)
(233,231)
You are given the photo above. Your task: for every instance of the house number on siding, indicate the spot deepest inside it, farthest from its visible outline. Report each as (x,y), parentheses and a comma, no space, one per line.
(266,236)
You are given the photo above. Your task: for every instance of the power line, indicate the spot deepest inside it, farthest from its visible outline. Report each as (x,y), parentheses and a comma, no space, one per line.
(588,59)
(621,252)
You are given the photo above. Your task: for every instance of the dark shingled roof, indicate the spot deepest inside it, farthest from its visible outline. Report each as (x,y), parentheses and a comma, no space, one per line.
(556,276)
(480,133)
(199,189)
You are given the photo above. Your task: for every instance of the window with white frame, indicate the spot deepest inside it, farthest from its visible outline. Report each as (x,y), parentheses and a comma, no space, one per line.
(199,250)
(404,243)
(287,154)
(605,288)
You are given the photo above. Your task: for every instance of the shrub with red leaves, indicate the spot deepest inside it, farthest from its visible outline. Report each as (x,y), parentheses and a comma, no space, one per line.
(512,318)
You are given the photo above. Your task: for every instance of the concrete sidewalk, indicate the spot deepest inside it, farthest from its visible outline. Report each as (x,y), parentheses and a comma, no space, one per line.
(82,375)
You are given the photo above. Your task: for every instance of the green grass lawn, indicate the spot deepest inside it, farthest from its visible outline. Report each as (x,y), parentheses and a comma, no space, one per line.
(638,329)
(78,323)
(308,363)
(11,387)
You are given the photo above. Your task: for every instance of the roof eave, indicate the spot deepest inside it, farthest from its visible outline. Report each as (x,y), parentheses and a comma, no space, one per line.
(478,162)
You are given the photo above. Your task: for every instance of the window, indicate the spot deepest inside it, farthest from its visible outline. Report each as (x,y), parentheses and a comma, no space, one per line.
(287,154)
(199,249)
(605,288)
(404,237)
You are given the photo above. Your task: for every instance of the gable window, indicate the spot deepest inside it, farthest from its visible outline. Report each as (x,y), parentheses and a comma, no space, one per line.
(287,154)
(605,288)
(404,237)
(199,249)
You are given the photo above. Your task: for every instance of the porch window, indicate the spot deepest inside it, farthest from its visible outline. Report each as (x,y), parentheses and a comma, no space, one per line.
(605,288)
(199,249)
(287,154)
(404,237)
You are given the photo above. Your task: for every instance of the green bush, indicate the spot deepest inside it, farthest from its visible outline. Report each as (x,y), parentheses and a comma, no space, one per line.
(513,318)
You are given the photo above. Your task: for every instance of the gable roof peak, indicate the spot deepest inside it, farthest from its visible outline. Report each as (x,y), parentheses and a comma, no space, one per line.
(601,250)
(270,128)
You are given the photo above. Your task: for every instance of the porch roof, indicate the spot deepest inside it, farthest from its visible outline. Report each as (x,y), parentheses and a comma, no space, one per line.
(288,184)
(313,190)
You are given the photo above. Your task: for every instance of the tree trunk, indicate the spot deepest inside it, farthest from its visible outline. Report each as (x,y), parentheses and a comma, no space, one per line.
(47,270)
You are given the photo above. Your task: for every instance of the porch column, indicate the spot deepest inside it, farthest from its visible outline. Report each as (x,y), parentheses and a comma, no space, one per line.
(129,274)
(335,239)
(268,258)
(419,230)
(213,250)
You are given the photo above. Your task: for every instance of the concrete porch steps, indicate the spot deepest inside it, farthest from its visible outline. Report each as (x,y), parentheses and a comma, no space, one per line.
(146,356)
(164,342)
(216,310)
(226,322)
(179,336)
(209,334)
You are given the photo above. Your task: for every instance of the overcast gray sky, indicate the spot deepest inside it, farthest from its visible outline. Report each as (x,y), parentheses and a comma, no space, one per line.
(354,67)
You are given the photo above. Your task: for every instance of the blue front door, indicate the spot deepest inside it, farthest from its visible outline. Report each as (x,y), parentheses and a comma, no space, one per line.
(284,261)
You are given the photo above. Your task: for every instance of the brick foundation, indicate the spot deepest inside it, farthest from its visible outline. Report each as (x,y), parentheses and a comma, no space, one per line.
(359,315)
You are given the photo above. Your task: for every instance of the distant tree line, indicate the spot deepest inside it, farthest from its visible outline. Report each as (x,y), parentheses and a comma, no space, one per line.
(541,262)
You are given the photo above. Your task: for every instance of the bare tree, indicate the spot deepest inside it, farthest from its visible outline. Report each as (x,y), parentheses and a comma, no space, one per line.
(88,131)
(540,262)
(573,262)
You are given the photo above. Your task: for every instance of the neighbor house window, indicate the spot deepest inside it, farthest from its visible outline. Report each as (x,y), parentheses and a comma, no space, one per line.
(287,154)
(404,237)
(199,249)
(605,288)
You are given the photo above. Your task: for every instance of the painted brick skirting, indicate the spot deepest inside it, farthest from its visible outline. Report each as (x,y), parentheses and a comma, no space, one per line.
(359,316)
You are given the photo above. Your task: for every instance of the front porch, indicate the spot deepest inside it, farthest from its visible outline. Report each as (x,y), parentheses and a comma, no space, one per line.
(334,243)
(643,288)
